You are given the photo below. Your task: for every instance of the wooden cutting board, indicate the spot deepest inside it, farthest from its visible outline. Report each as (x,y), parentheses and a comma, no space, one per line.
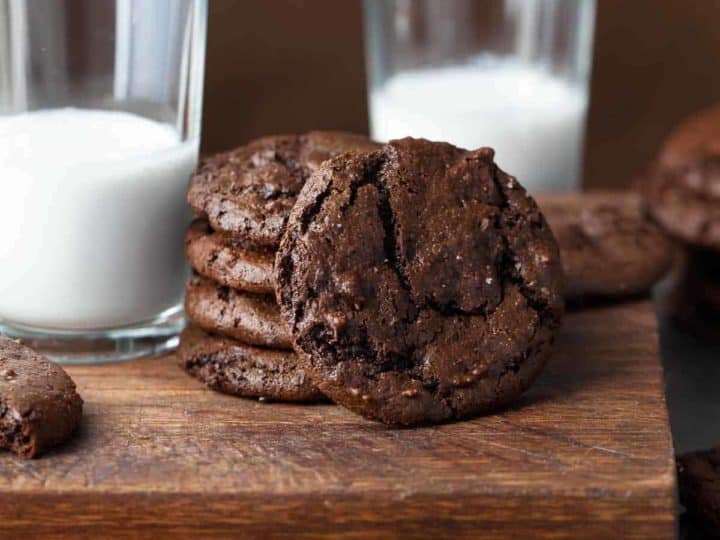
(587,453)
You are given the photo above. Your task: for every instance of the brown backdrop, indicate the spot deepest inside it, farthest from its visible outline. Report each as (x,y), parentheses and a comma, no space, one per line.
(294,65)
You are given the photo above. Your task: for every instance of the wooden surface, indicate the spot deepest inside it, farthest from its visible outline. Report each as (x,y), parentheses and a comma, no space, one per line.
(585,454)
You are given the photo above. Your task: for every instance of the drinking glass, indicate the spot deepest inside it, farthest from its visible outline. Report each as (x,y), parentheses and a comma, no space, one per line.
(100,106)
(509,74)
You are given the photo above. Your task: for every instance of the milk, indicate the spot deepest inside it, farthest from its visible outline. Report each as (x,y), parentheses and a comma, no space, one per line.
(92,211)
(534,121)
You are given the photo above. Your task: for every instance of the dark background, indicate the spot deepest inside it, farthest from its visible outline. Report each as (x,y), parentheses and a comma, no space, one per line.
(294,65)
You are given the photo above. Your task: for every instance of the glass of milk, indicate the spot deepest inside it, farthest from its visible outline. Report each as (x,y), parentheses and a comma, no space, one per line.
(100,106)
(509,74)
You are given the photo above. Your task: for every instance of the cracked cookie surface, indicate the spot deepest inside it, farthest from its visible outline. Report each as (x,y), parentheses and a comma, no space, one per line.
(607,250)
(249,191)
(39,405)
(420,283)
(250,318)
(238,369)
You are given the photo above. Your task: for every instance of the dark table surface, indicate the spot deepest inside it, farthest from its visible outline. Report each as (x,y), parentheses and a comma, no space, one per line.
(691,362)
(692,377)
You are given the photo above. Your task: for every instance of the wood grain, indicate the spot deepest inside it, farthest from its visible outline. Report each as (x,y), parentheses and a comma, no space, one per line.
(586,454)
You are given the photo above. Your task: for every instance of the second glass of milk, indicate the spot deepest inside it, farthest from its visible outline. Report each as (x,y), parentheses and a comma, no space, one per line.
(100,106)
(509,74)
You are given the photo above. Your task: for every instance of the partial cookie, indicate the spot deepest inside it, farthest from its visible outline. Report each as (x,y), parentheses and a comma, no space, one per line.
(228,262)
(607,250)
(235,368)
(696,137)
(39,405)
(250,318)
(249,191)
(682,189)
(421,283)
(699,485)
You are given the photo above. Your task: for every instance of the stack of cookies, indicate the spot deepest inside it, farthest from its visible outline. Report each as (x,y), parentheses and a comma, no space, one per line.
(236,342)
(681,191)
(417,282)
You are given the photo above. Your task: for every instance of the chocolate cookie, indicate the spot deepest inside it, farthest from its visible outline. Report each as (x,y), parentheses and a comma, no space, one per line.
(607,250)
(228,262)
(699,485)
(251,318)
(249,191)
(234,368)
(39,406)
(682,189)
(421,282)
